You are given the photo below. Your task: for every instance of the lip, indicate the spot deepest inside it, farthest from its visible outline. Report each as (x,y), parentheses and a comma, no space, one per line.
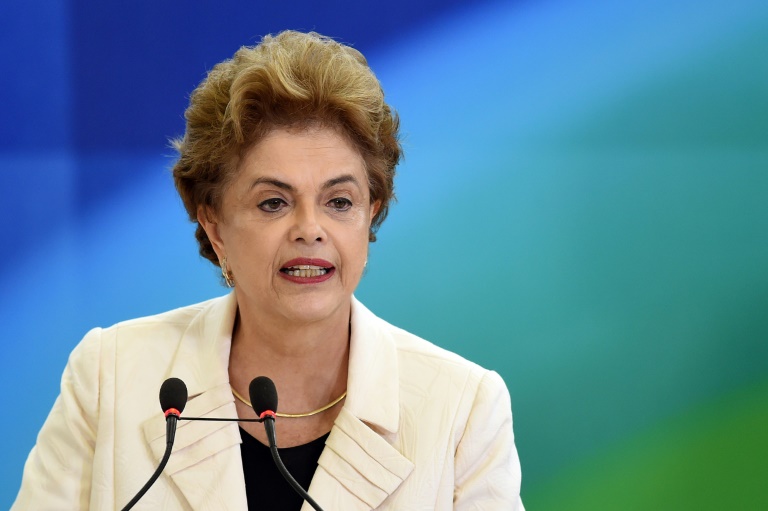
(307,261)
(310,262)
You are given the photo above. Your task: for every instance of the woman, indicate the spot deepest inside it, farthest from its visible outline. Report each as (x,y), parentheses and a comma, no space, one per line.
(287,167)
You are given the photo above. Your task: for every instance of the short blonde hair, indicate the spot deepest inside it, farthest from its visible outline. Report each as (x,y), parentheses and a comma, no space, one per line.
(291,80)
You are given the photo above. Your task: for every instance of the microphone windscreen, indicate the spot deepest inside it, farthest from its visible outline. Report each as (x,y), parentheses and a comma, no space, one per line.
(173,394)
(263,395)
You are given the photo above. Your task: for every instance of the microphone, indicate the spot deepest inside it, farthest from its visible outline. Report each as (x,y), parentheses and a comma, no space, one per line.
(263,397)
(173,399)
(264,401)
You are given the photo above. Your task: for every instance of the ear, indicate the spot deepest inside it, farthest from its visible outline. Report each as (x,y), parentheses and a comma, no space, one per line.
(374,209)
(207,219)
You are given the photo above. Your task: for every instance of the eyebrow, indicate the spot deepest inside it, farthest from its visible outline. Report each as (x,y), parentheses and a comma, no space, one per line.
(271,181)
(346,178)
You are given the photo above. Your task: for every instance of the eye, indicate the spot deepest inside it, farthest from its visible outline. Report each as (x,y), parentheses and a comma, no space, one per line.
(272,205)
(340,204)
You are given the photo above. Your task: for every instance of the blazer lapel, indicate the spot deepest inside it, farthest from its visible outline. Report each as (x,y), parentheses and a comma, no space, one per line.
(205,463)
(358,468)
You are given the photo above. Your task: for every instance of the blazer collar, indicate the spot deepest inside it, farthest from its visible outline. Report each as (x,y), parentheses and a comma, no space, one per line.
(205,454)
(372,383)
(358,468)
(202,360)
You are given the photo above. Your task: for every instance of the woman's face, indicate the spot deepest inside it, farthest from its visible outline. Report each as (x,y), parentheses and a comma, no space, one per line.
(294,225)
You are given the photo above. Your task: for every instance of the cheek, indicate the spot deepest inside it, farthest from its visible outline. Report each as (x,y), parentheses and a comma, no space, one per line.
(353,248)
(251,247)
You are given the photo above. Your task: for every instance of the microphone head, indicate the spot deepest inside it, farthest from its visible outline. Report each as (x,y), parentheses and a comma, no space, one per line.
(173,394)
(263,395)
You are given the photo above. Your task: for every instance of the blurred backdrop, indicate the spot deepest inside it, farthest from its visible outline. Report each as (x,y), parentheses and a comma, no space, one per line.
(583,207)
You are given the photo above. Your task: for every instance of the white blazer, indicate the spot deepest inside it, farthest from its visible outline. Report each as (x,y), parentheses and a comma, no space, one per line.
(421,427)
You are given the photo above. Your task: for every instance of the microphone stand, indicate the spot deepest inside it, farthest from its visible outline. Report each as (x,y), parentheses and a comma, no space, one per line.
(269,426)
(170,435)
(173,397)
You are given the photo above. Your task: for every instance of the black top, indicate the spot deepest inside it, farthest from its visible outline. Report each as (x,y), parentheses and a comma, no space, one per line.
(265,486)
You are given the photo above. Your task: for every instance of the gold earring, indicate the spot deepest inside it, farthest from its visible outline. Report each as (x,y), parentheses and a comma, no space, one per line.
(227,273)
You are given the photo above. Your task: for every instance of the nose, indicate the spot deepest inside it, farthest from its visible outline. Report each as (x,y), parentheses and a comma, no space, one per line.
(307,227)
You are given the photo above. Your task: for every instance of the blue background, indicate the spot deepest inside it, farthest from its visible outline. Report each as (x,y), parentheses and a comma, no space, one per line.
(583,207)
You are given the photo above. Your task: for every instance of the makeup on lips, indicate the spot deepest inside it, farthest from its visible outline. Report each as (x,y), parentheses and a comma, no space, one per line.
(307,271)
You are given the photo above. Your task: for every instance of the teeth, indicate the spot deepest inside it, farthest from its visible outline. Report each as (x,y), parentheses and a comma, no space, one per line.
(307,271)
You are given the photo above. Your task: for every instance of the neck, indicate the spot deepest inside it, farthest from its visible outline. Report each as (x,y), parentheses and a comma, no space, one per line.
(308,362)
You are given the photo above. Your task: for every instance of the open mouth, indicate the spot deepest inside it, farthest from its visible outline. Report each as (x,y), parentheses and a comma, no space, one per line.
(305,270)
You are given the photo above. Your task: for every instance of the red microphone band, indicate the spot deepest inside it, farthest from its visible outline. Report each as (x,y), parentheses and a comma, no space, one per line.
(172,411)
(267,413)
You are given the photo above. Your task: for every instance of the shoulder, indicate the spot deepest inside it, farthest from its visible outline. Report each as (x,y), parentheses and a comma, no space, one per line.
(173,319)
(422,365)
(145,340)
(164,327)
(415,350)
(454,418)
(446,373)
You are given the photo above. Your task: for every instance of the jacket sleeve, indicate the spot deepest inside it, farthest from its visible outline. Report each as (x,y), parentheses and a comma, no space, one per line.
(487,466)
(57,474)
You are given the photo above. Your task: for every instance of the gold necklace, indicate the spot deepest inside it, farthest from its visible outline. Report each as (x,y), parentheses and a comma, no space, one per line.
(292,415)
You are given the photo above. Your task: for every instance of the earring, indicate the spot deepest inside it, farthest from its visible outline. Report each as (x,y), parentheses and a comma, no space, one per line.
(227,273)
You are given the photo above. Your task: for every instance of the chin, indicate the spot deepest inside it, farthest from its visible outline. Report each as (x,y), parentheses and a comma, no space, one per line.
(311,309)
